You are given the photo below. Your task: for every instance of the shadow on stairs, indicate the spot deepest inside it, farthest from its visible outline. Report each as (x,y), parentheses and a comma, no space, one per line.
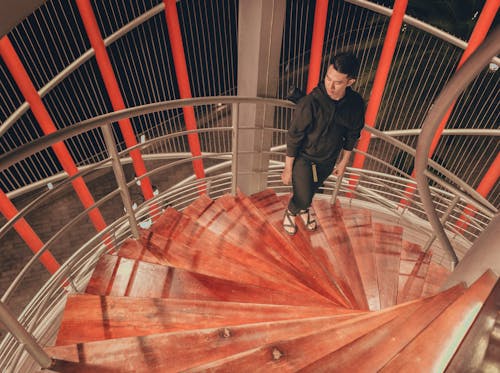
(220,287)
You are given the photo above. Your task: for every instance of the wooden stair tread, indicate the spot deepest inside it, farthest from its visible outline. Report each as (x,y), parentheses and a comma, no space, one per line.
(202,251)
(358,223)
(190,348)
(295,353)
(388,245)
(446,331)
(413,267)
(318,258)
(388,339)
(90,318)
(436,276)
(157,281)
(330,218)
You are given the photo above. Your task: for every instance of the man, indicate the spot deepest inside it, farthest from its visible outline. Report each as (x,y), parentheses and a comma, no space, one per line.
(325,123)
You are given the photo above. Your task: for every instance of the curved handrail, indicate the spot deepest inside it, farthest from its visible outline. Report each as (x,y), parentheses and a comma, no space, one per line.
(29,149)
(457,84)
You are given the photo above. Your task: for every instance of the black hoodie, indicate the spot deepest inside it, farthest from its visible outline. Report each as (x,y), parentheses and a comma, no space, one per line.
(321,127)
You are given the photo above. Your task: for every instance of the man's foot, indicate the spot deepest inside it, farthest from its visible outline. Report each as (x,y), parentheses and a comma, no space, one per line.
(308,220)
(289,223)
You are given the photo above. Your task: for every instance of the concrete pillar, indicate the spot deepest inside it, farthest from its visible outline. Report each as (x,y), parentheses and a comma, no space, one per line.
(260,29)
(483,255)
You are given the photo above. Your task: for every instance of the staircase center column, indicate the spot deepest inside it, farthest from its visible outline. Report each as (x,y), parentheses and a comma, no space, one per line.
(260,29)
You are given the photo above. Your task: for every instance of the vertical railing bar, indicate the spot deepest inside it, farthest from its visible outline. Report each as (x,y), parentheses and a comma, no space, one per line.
(234,170)
(120,179)
(337,187)
(26,339)
(444,218)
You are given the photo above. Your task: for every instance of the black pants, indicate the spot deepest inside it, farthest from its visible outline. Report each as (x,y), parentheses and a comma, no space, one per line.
(303,184)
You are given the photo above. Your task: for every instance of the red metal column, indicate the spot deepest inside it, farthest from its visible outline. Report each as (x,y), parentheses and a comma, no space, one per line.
(27,234)
(41,114)
(487,183)
(381,76)
(480,31)
(318,38)
(108,75)
(181,72)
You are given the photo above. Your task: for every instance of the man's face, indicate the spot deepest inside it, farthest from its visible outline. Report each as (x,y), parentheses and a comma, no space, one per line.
(336,83)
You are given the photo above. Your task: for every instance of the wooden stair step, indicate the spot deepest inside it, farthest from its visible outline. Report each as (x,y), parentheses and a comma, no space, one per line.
(371,352)
(134,249)
(413,267)
(198,207)
(119,276)
(90,318)
(281,249)
(237,220)
(330,218)
(436,277)
(297,352)
(319,267)
(202,251)
(319,271)
(177,351)
(446,331)
(388,241)
(358,224)
(159,281)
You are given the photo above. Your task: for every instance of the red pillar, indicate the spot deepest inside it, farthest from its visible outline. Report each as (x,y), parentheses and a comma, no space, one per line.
(478,35)
(381,76)
(113,90)
(41,114)
(181,72)
(27,234)
(318,38)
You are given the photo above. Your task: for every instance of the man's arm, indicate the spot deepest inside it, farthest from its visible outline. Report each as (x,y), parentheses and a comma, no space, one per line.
(342,164)
(286,175)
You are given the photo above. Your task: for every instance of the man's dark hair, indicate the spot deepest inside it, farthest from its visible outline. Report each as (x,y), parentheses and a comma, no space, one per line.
(346,63)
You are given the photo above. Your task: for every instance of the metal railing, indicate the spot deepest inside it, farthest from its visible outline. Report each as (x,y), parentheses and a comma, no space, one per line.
(373,186)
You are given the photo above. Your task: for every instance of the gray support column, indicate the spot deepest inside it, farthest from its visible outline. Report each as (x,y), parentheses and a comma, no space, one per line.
(260,29)
(483,255)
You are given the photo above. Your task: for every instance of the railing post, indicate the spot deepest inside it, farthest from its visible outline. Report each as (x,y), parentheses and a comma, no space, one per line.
(444,218)
(234,168)
(26,339)
(120,179)
(336,190)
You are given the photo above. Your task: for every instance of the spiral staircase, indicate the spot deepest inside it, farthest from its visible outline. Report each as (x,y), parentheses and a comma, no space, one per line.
(221,287)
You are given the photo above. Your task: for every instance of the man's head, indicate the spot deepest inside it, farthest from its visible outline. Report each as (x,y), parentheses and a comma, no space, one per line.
(342,72)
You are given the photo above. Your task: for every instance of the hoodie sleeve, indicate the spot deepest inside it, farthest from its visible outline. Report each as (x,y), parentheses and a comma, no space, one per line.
(299,125)
(358,122)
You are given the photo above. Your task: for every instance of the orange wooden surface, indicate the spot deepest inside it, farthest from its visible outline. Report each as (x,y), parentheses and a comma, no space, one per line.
(372,351)
(91,318)
(330,218)
(433,348)
(388,246)
(413,267)
(221,287)
(358,224)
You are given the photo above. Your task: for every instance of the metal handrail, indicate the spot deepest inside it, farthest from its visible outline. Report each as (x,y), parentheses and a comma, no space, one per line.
(457,84)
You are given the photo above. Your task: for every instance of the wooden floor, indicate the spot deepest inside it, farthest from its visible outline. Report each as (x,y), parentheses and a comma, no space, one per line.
(221,287)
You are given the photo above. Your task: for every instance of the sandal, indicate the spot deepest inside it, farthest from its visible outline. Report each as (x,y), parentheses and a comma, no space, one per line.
(288,223)
(309,222)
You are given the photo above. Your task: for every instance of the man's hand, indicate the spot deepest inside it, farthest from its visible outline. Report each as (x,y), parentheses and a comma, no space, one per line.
(339,169)
(286,176)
